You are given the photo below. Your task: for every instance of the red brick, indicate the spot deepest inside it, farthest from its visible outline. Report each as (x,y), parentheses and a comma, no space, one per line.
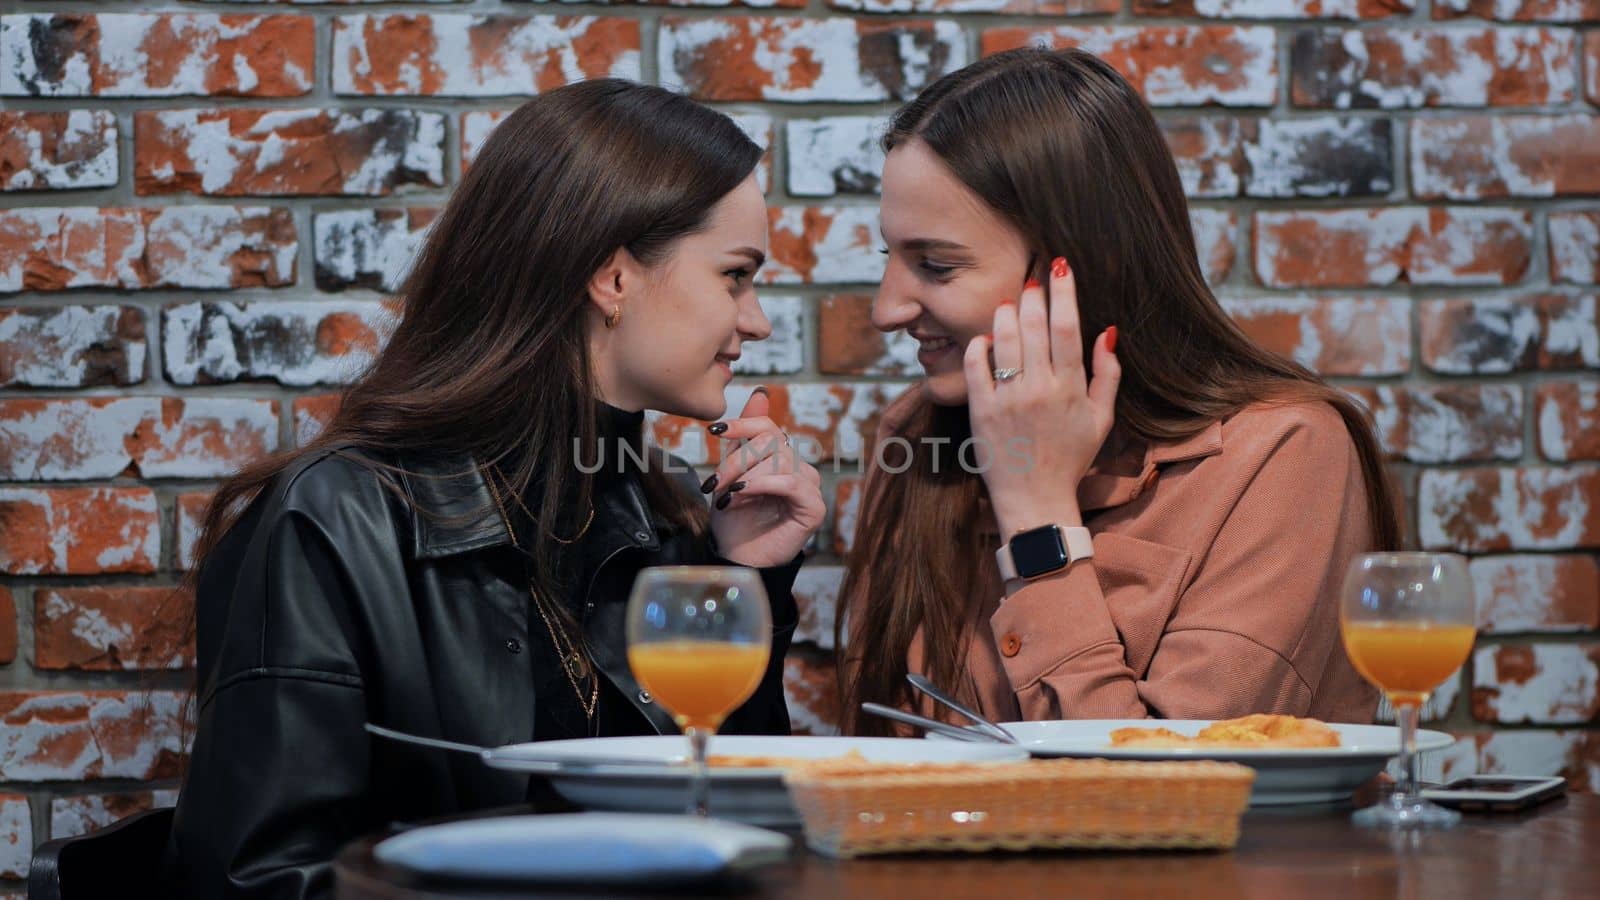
(52,151)
(1575,246)
(461,55)
(1574,755)
(1383,246)
(84,735)
(298,342)
(1459,66)
(810,685)
(242,152)
(1545,592)
(1332,336)
(1213,237)
(822,245)
(112,628)
(312,414)
(1000,7)
(1447,423)
(1591,65)
(1569,420)
(793,59)
(162,437)
(368,247)
(846,512)
(71,346)
(190,509)
(1547,683)
(1491,509)
(78,531)
(53,249)
(1489,157)
(8,626)
(1171,65)
(157,55)
(1331,156)
(82,813)
(16,836)
(1274,9)
(816,591)
(848,344)
(1507,334)
(835,155)
(1520,10)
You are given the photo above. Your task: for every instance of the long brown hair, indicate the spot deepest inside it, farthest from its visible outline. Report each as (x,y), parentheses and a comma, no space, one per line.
(490,356)
(1059,144)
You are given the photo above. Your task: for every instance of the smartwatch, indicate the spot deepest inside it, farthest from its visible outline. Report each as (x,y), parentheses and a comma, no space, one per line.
(1040,551)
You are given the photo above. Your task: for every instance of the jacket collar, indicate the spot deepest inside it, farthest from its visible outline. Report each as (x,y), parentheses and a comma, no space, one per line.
(1122,479)
(452,510)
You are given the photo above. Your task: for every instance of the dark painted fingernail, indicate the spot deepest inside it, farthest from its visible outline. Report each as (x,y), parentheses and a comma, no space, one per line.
(1111,339)
(709,485)
(1059,267)
(724,500)
(736,487)
(760,389)
(718,428)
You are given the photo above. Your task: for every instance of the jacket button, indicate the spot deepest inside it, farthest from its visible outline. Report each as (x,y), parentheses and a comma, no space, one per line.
(514,645)
(1010,645)
(641,535)
(644,696)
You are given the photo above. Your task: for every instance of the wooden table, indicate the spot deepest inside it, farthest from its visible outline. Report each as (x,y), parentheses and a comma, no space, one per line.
(1552,851)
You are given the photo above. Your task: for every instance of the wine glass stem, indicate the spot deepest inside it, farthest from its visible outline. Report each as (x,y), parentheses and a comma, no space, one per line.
(699,781)
(1407,714)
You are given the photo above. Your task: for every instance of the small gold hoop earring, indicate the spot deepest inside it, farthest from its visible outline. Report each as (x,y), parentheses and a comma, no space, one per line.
(615,317)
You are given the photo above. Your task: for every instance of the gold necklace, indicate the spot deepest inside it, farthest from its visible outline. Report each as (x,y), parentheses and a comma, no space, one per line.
(573,662)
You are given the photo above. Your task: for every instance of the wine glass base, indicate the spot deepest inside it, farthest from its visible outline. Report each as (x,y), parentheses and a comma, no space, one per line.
(1401,813)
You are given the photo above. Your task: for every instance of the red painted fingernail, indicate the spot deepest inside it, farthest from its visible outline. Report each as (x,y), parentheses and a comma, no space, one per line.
(1111,339)
(1059,267)
(1032,283)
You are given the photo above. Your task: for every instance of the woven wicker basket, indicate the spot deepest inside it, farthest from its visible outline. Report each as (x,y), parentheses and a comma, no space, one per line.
(855,809)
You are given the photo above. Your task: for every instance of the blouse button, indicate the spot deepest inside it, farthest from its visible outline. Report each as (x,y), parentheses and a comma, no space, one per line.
(644,697)
(1010,645)
(514,645)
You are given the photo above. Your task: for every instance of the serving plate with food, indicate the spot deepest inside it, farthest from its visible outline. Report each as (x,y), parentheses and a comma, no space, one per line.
(651,773)
(1296,760)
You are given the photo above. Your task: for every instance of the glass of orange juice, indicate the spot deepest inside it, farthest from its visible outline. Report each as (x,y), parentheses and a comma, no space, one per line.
(1408,621)
(699,639)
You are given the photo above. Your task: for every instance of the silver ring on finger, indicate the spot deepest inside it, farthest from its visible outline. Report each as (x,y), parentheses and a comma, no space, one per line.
(1001,376)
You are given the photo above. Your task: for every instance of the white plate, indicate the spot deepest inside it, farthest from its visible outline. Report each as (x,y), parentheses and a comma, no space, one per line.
(753,796)
(587,848)
(1283,776)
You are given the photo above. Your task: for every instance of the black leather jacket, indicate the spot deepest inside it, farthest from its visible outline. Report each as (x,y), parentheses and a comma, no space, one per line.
(332,603)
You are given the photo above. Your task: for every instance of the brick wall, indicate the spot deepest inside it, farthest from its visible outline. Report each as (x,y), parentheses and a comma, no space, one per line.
(205,205)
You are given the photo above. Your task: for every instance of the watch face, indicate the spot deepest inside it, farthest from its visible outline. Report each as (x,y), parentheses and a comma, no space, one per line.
(1038,551)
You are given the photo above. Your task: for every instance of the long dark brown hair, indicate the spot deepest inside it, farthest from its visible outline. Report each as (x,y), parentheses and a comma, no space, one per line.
(490,355)
(1059,144)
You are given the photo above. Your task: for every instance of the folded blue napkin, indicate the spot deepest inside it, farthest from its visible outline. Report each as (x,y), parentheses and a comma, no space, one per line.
(588,848)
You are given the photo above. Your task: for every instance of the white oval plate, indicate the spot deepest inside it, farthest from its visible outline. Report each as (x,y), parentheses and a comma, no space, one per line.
(1283,776)
(583,848)
(659,783)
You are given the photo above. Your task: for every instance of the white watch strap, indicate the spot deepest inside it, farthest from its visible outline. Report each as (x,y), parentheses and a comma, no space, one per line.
(1076,538)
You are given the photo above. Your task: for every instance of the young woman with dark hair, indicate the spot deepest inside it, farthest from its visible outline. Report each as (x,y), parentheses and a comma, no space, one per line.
(1165,511)
(452,556)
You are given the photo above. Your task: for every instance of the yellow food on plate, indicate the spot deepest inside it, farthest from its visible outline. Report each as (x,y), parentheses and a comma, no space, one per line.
(1262,731)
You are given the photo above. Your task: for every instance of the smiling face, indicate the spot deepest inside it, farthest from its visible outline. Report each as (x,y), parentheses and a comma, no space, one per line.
(952,260)
(685,318)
